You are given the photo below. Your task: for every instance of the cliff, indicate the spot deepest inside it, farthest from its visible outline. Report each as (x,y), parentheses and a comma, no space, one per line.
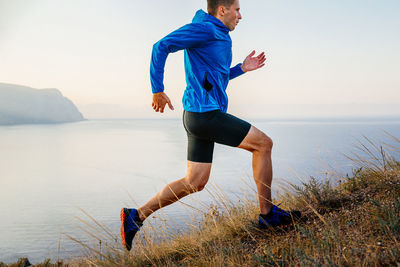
(25,105)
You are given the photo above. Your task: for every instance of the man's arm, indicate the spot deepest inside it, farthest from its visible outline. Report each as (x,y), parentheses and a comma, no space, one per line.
(190,35)
(236,71)
(249,64)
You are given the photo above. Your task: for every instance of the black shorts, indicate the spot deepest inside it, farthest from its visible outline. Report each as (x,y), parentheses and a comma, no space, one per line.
(203,129)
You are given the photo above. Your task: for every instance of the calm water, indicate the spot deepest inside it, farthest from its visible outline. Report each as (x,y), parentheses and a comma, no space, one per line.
(48,172)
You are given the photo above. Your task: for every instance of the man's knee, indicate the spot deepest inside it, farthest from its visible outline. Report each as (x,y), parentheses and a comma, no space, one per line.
(257,141)
(263,142)
(196,183)
(266,143)
(197,178)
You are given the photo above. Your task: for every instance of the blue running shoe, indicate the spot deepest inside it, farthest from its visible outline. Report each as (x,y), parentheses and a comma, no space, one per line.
(130,224)
(278,217)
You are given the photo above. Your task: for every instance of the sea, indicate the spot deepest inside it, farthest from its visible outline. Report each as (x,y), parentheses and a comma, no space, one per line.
(58,180)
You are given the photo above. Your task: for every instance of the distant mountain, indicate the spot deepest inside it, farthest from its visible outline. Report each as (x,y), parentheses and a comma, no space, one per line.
(22,105)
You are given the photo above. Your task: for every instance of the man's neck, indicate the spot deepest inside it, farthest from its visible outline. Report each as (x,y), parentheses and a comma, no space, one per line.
(220,19)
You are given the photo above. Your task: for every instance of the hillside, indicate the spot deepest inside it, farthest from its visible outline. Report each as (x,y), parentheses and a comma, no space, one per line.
(351,221)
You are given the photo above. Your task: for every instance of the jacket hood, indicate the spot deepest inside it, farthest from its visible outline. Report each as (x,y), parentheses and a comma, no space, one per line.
(202,16)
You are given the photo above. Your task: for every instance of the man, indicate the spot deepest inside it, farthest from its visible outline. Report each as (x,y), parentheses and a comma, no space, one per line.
(208,56)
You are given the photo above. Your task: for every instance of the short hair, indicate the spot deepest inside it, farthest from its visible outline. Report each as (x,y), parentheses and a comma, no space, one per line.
(212,5)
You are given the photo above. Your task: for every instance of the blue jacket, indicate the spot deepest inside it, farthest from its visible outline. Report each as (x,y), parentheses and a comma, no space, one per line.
(208,58)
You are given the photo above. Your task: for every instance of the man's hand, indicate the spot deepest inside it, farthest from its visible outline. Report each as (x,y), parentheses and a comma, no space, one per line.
(253,63)
(159,102)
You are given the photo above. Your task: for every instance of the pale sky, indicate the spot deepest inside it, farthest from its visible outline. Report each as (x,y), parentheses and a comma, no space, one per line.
(319,52)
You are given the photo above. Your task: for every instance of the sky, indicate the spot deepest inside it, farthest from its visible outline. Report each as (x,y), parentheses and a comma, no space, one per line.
(324,57)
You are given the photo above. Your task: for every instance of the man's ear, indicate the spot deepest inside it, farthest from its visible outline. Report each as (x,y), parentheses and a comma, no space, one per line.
(221,11)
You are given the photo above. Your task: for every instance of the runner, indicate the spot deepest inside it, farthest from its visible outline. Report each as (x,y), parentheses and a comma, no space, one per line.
(208,54)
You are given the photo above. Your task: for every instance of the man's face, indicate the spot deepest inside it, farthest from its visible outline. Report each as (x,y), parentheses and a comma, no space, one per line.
(232,16)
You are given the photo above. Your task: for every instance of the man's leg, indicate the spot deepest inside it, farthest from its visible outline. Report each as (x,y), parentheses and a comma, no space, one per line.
(260,145)
(194,181)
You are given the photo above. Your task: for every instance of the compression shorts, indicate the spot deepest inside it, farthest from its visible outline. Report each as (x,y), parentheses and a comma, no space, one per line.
(205,129)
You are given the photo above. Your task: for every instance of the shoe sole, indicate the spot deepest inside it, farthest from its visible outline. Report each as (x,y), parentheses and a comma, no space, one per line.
(122,216)
(274,227)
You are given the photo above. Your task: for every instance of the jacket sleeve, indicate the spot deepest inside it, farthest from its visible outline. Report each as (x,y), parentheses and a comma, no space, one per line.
(235,71)
(189,36)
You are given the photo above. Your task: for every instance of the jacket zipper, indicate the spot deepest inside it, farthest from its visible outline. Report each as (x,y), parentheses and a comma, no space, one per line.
(207,86)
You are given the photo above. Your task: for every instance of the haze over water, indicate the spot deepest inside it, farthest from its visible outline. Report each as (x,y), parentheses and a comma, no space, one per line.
(48,172)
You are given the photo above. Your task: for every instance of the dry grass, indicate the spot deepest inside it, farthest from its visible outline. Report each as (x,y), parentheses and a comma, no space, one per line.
(354,221)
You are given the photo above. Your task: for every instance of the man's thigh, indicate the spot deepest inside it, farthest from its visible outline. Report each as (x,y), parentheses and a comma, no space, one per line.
(198,169)
(219,127)
(199,150)
(204,129)
(230,130)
